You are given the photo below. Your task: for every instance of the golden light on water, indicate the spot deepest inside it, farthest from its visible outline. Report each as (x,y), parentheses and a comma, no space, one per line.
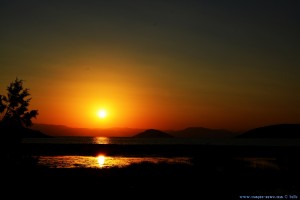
(101,160)
(101,140)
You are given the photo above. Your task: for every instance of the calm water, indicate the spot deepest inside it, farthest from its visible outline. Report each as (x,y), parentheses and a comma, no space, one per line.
(113,140)
(149,141)
(103,161)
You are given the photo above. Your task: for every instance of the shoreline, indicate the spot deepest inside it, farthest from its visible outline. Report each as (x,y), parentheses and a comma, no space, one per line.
(216,173)
(209,181)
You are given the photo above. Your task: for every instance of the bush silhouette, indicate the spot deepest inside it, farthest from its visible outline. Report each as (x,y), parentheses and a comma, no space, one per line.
(15,119)
(14,106)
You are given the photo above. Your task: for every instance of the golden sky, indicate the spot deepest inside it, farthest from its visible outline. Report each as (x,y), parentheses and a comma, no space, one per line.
(154,64)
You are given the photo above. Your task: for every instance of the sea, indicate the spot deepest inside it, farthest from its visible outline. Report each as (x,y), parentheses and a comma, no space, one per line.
(103,161)
(164,141)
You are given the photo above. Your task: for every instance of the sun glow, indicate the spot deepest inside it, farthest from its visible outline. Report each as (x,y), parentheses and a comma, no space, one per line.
(102,113)
(101,160)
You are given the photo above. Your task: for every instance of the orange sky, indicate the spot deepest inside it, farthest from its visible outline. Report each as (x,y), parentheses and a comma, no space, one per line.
(154,64)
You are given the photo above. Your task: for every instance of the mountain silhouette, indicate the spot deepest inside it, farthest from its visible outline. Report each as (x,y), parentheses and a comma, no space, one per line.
(30,133)
(201,132)
(62,130)
(153,133)
(194,132)
(21,132)
(273,131)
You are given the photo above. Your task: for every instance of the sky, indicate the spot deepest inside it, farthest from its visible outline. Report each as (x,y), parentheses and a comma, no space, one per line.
(155,64)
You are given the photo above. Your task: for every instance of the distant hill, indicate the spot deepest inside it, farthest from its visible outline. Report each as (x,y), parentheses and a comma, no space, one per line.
(61,130)
(200,132)
(194,132)
(13,132)
(153,133)
(30,133)
(273,131)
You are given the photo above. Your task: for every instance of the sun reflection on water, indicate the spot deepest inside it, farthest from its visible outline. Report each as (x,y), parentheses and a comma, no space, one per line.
(101,140)
(102,161)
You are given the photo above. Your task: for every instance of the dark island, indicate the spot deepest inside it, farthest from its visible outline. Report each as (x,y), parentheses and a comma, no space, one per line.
(153,133)
(279,131)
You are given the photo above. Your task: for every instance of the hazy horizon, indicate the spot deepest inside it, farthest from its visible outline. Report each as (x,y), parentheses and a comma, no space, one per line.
(150,127)
(196,131)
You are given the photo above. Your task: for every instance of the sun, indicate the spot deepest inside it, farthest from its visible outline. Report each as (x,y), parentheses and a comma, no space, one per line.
(102,113)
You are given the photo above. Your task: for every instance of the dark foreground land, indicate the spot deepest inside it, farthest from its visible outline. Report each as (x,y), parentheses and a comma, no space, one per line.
(217,172)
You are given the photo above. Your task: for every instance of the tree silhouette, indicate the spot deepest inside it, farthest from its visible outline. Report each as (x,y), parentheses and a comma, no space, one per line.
(14,106)
(15,119)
